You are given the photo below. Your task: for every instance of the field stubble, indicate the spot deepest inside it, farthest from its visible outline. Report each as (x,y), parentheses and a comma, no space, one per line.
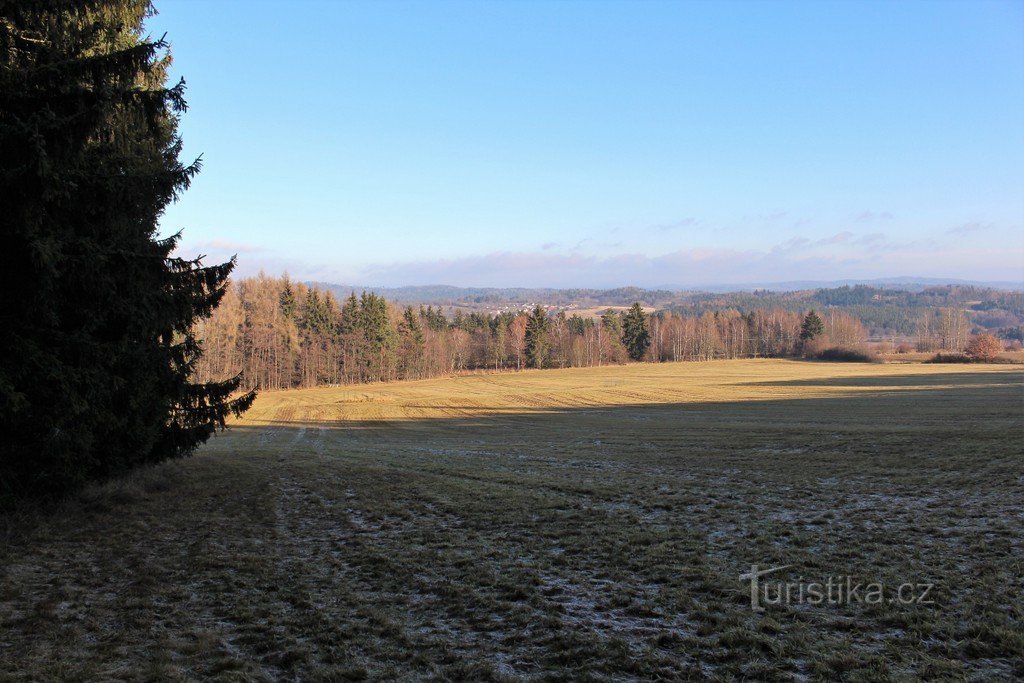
(587,523)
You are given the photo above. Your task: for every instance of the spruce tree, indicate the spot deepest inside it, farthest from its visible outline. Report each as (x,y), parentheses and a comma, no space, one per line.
(317,318)
(811,327)
(411,326)
(349,323)
(635,336)
(97,317)
(379,336)
(287,301)
(536,343)
(410,334)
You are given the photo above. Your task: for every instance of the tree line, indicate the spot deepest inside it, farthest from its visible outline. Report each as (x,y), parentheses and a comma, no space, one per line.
(886,312)
(280,334)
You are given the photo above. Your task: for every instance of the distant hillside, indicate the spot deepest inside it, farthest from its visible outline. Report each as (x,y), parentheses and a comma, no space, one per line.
(893,306)
(884,310)
(910,284)
(446,295)
(451,295)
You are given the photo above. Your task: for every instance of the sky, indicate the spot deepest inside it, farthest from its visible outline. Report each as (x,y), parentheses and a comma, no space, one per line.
(602,144)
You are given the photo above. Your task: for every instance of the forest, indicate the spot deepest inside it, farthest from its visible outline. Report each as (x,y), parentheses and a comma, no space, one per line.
(280,334)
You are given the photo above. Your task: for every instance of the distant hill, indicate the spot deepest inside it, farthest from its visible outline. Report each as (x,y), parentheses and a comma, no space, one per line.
(886,306)
(448,295)
(910,284)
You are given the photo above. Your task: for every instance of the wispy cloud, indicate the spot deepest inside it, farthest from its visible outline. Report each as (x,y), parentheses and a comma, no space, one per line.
(869,239)
(593,262)
(769,217)
(967,228)
(791,245)
(676,225)
(838,238)
(843,255)
(871,216)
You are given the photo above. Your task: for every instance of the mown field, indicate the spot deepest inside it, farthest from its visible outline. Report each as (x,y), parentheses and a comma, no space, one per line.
(588,523)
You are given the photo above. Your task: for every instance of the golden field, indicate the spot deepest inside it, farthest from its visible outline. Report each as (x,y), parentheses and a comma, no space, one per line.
(487,395)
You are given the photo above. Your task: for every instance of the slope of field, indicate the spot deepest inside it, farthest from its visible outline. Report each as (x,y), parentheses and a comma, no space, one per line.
(588,523)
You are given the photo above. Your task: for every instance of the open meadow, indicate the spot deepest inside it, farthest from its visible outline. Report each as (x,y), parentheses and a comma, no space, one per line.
(588,523)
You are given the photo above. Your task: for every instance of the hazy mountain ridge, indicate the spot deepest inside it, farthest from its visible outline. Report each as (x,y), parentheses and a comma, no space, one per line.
(910,284)
(886,307)
(450,295)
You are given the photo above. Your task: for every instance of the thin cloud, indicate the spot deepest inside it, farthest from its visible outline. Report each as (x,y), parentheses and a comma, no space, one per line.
(869,239)
(776,215)
(844,255)
(838,238)
(702,266)
(791,245)
(684,223)
(871,216)
(967,228)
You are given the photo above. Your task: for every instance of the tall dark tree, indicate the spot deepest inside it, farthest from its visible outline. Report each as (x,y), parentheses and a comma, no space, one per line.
(812,327)
(578,325)
(289,305)
(317,316)
(537,346)
(379,336)
(349,322)
(97,317)
(635,335)
(411,340)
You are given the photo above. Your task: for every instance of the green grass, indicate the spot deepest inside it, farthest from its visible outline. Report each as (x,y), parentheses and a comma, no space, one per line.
(583,523)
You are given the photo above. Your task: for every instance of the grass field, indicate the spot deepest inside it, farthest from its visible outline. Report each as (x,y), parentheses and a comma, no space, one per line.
(587,523)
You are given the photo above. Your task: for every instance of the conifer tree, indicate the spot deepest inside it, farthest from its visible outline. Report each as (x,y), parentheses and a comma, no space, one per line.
(635,336)
(536,338)
(410,334)
(811,327)
(288,303)
(411,326)
(578,325)
(316,315)
(379,335)
(611,321)
(97,318)
(349,323)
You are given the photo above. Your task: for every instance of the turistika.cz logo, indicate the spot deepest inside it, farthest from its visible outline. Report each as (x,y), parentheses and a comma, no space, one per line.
(836,590)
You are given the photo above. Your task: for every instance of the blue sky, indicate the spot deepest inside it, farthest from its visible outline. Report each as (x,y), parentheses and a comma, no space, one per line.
(603,144)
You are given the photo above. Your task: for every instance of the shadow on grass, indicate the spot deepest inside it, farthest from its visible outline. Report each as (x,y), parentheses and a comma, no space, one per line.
(972,380)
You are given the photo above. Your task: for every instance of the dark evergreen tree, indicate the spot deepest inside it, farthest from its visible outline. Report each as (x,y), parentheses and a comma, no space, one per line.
(537,338)
(579,325)
(349,323)
(411,340)
(317,316)
(97,318)
(288,303)
(635,336)
(434,320)
(811,327)
(411,326)
(379,335)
